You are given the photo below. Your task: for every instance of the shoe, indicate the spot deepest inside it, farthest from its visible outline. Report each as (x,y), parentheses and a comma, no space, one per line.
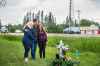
(26,60)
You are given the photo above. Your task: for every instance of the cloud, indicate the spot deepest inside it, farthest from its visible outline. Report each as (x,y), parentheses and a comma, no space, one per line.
(12,2)
(15,9)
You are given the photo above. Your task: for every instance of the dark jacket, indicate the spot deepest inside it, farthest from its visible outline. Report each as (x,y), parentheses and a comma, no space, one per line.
(29,36)
(42,37)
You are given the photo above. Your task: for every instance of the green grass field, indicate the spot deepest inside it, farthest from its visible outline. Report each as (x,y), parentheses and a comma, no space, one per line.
(11,51)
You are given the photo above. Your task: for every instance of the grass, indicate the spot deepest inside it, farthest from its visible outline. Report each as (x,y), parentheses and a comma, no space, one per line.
(80,43)
(11,51)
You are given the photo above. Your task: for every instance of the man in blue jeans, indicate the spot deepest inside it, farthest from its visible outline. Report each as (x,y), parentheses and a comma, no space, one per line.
(34,45)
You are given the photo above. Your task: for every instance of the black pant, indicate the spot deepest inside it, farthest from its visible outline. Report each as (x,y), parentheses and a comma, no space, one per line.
(33,50)
(42,46)
(26,51)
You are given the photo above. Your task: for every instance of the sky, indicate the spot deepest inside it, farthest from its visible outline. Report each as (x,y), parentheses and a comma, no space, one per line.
(15,10)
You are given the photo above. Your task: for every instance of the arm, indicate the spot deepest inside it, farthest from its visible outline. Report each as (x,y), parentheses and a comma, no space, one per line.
(29,33)
(29,25)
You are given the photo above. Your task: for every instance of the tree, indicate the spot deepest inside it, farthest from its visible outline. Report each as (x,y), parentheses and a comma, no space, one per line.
(12,28)
(3,3)
(51,18)
(0,24)
(67,22)
(19,26)
(85,22)
(51,25)
(60,28)
(25,20)
(42,15)
(76,24)
(33,15)
(38,15)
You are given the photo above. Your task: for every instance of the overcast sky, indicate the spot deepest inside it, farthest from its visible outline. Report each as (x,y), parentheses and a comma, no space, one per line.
(15,9)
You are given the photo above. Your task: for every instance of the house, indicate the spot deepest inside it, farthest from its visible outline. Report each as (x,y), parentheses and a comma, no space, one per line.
(93,29)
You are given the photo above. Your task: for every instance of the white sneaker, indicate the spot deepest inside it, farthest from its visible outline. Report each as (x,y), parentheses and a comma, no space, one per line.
(26,60)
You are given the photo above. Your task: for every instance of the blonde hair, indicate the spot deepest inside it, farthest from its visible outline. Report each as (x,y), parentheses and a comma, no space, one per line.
(29,24)
(42,28)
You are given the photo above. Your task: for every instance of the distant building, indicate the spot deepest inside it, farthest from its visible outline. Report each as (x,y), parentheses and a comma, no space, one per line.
(18,31)
(93,29)
(4,29)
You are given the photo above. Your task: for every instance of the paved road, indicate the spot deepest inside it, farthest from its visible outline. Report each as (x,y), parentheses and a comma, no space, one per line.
(56,34)
(74,35)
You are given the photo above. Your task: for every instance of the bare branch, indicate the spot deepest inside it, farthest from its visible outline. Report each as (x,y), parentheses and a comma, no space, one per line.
(3,3)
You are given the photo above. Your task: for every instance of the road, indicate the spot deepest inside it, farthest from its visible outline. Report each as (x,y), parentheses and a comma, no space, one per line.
(73,35)
(56,34)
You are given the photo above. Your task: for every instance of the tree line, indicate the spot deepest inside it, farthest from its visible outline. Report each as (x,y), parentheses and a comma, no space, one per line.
(50,23)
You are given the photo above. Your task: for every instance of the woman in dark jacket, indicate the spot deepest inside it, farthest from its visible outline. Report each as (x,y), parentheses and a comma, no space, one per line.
(29,40)
(42,39)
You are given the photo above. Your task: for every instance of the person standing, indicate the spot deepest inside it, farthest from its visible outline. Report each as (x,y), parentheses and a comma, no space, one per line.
(35,35)
(29,39)
(42,39)
(27,42)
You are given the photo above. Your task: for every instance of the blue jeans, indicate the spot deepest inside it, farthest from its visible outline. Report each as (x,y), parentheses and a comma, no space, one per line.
(33,49)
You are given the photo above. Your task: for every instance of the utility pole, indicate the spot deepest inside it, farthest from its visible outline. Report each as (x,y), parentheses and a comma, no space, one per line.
(78,16)
(70,14)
